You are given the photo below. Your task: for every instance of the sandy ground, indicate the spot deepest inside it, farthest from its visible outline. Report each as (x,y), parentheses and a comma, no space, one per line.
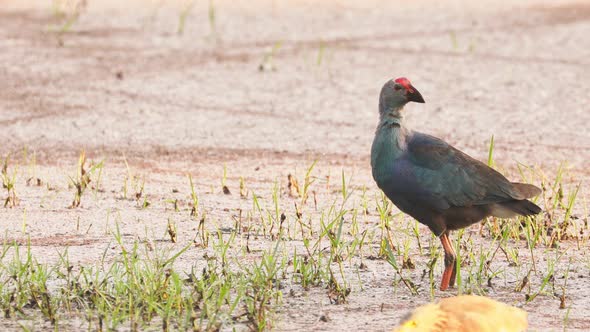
(123,82)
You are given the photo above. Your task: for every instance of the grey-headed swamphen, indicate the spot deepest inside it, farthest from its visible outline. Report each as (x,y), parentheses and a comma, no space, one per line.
(438,185)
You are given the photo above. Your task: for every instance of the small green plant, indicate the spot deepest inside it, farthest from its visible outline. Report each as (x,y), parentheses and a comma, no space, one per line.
(224,187)
(68,11)
(82,179)
(171,229)
(32,179)
(307,182)
(267,63)
(243,189)
(384,210)
(133,187)
(202,232)
(194,198)
(293,186)
(321,51)
(174,203)
(262,289)
(212,18)
(390,258)
(184,15)
(8,183)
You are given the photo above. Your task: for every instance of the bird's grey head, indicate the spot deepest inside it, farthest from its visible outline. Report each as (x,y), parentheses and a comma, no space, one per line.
(395,94)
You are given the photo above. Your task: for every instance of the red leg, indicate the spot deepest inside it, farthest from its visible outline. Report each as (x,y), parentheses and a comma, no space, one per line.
(454,273)
(448,276)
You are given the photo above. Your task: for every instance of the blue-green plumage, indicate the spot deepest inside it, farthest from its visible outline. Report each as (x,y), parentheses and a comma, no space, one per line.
(435,183)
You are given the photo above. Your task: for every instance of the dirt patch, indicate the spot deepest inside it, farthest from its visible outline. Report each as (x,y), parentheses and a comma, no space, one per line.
(54,241)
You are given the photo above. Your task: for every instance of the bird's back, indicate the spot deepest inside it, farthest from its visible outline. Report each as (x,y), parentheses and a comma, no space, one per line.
(429,179)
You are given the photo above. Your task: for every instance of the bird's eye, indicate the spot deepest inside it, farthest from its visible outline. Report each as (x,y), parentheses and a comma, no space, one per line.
(397,87)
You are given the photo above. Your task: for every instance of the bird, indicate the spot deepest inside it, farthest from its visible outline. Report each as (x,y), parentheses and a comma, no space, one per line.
(435,183)
(465,313)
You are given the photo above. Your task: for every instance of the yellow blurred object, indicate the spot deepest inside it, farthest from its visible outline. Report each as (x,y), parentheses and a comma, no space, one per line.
(466,313)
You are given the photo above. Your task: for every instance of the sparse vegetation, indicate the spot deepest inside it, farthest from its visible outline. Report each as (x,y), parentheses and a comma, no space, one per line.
(307,247)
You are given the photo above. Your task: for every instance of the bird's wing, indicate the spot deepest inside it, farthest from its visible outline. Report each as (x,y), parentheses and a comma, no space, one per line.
(452,178)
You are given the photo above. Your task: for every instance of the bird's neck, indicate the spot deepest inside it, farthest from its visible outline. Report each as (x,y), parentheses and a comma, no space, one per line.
(393,131)
(390,138)
(392,118)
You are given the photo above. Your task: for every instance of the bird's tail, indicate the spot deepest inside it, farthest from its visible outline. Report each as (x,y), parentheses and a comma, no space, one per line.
(522,207)
(527,190)
(519,204)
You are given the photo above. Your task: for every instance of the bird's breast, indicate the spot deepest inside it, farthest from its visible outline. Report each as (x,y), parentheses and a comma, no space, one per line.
(387,151)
